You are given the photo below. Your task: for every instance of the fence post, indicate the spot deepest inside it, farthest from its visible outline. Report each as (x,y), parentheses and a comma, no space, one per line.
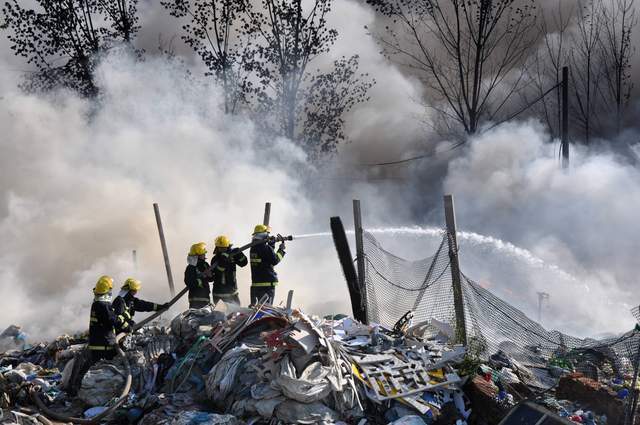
(267,213)
(165,254)
(351,276)
(450,218)
(357,223)
(565,117)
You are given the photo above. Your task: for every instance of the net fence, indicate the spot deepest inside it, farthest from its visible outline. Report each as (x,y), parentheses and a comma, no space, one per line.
(492,326)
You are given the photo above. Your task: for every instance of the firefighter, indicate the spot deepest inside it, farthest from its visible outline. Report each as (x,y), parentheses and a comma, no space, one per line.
(102,337)
(223,265)
(197,276)
(264,257)
(126,304)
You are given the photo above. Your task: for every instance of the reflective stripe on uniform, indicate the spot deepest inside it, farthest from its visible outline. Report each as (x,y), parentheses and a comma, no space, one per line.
(256,260)
(126,314)
(221,268)
(100,347)
(199,283)
(225,295)
(262,284)
(199,299)
(93,320)
(279,254)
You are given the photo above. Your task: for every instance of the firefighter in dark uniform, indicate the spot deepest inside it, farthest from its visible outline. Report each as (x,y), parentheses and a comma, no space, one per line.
(102,336)
(197,276)
(223,265)
(264,257)
(126,304)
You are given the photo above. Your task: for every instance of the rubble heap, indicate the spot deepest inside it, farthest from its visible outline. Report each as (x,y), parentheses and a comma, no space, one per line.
(268,365)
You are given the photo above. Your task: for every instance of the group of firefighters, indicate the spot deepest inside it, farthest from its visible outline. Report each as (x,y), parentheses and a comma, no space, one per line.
(111,316)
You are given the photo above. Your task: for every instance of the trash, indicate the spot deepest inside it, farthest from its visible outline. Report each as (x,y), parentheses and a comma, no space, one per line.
(94,411)
(101,383)
(185,325)
(275,364)
(293,412)
(204,418)
(311,386)
(409,420)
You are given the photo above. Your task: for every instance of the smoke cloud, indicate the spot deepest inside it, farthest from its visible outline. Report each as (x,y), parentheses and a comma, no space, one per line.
(77,183)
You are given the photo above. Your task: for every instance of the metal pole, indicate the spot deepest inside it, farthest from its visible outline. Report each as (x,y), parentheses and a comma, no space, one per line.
(267,213)
(458,303)
(357,223)
(165,254)
(565,117)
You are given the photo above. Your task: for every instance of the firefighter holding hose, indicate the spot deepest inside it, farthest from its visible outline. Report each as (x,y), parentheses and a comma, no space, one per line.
(197,276)
(102,322)
(126,304)
(264,257)
(223,266)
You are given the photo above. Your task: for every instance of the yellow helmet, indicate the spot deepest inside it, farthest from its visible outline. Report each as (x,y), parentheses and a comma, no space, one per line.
(199,248)
(132,284)
(104,285)
(261,228)
(222,242)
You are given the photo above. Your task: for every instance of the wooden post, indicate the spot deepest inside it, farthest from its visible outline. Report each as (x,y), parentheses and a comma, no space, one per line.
(267,213)
(346,261)
(357,223)
(458,302)
(565,117)
(289,299)
(165,254)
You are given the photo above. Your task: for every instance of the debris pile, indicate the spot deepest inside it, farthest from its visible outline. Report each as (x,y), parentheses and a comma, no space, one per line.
(275,365)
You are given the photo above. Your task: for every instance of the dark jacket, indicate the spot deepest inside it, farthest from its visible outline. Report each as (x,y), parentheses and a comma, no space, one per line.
(195,278)
(224,271)
(125,308)
(263,258)
(102,324)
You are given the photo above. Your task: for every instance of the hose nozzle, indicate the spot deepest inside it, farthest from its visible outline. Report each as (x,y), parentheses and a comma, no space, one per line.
(280,238)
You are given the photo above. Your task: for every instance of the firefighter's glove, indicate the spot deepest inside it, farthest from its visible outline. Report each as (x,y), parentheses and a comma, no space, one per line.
(281,247)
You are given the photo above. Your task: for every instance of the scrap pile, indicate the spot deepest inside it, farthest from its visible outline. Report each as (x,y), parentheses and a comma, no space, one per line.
(265,364)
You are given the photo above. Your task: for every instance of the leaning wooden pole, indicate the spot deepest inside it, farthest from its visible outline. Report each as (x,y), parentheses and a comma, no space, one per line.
(267,214)
(357,223)
(458,302)
(165,253)
(565,117)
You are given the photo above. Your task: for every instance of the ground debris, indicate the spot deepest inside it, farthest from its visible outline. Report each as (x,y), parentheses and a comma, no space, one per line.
(273,365)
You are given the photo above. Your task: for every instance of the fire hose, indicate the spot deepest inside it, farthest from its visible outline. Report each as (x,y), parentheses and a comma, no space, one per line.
(34,391)
(274,239)
(123,395)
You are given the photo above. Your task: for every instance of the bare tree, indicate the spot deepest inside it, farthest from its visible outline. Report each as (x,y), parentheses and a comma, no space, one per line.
(63,38)
(550,58)
(214,31)
(619,20)
(464,51)
(306,104)
(587,72)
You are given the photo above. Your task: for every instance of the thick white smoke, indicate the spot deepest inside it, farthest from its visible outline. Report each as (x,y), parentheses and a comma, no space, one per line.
(77,185)
(583,220)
